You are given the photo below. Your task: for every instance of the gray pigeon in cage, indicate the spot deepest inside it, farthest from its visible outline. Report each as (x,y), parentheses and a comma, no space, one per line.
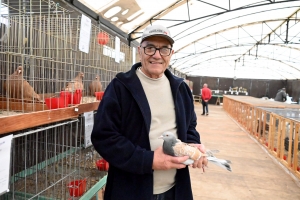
(174,147)
(17,87)
(76,83)
(95,86)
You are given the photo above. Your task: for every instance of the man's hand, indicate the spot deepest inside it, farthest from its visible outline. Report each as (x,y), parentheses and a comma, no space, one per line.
(202,162)
(162,161)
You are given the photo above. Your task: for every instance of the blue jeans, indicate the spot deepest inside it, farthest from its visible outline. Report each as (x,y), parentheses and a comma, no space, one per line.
(168,195)
(205,106)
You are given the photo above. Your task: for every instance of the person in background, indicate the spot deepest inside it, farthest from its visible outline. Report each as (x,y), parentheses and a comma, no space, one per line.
(205,96)
(281,95)
(138,106)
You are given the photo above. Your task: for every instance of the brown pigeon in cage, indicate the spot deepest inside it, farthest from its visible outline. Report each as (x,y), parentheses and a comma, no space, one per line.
(95,86)
(16,85)
(76,83)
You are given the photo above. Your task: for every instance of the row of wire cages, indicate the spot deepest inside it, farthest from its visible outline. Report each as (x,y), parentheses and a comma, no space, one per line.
(52,162)
(40,57)
(280,134)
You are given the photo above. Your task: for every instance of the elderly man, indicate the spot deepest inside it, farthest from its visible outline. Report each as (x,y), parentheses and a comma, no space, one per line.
(137,107)
(281,95)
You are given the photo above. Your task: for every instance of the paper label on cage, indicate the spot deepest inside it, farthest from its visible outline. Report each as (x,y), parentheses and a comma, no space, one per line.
(89,123)
(5,153)
(85,33)
(117,49)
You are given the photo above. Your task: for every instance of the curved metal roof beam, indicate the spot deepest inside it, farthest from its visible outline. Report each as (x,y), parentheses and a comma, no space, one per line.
(257,67)
(233,27)
(276,71)
(273,31)
(225,47)
(236,55)
(179,3)
(160,15)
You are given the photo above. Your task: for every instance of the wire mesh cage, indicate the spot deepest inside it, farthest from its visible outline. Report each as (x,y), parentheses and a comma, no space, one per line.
(40,58)
(284,134)
(50,162)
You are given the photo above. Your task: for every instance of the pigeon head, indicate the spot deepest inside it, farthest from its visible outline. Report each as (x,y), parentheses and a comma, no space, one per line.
(169,138)
(19,70)
(169,142)
(80,74)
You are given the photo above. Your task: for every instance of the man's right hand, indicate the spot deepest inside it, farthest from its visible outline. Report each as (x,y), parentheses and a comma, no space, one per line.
(162,161)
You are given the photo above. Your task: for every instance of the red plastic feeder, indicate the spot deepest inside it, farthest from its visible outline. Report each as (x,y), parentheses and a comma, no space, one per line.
(54,103)
(77,187)
(102,165)
(66,96)
(99,95)
(76,97)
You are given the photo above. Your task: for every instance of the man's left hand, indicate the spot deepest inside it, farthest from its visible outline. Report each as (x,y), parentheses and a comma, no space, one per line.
(202,162)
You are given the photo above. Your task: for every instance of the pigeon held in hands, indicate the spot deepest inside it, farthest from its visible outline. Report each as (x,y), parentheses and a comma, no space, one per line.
(174,147)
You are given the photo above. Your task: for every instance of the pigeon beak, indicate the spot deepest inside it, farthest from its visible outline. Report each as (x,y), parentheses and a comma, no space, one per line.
(160,137)
(19,71)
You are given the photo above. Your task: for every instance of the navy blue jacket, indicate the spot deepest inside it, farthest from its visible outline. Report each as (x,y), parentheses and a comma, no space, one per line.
(121,136)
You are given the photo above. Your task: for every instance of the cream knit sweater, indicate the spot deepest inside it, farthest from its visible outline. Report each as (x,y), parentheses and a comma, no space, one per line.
(159,96)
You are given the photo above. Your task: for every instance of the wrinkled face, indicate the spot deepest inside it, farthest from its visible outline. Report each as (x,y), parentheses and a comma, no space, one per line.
(155,65)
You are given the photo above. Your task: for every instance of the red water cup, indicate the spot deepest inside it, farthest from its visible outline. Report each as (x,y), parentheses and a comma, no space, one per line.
(77,187)
(66,96)
(52,103)
(55,102)
(99,95)
(102,165)
(77,96)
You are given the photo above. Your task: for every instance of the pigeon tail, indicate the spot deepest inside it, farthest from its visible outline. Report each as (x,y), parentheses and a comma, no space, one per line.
(220,162)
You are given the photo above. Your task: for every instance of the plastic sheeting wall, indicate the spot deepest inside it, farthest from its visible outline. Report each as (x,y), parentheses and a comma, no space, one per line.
(256,88)
(293,89)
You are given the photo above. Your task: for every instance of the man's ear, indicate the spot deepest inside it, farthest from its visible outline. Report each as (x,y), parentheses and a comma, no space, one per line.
(140,49)
(172,52)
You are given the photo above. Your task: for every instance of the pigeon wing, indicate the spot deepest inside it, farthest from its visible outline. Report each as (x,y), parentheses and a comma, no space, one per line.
(29,92)
(183,149)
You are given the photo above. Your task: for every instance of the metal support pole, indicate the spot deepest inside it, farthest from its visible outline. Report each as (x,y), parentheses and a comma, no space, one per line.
(287,32)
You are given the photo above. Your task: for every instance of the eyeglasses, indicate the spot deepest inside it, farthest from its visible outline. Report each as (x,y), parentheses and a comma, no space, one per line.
(164,51)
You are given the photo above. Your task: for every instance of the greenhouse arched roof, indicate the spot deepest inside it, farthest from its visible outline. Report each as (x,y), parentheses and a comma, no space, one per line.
(218,38)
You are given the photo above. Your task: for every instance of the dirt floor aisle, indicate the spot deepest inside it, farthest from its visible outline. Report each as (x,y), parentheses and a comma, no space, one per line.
(255,174)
